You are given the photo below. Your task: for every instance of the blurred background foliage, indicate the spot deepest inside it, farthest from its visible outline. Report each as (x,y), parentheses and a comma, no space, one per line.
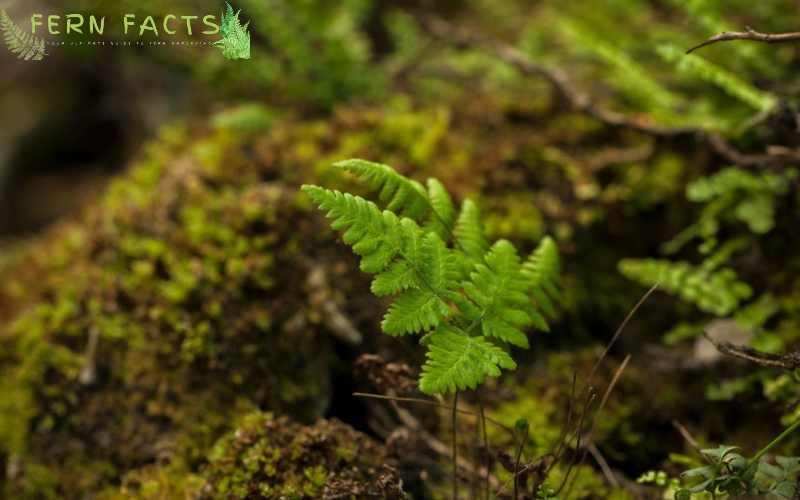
(148,201)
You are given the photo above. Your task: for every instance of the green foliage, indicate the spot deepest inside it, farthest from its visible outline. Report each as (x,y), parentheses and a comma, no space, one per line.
(470,300)
(457,361)
(248,118)
(730,197)
(314,50)
(748,196)
(717,291)
(268,457)
(731,475)
(24,45)
(235,43)
(694,65)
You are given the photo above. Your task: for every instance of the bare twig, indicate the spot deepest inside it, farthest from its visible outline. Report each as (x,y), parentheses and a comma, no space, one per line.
(602,405)
(789,362)
(436,445)
(684,432)
(88,374)
(619,331)
(577,99)
(748,34)
(601,461)
(581,101)
(433,403)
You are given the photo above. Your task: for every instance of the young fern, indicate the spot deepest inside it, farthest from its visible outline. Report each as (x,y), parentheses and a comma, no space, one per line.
(470,300)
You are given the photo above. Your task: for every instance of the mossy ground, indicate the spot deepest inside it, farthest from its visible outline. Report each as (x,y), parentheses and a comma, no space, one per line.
(143,330)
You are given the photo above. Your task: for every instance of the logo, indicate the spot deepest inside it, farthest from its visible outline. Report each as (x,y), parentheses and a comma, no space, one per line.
(235,43)
(30,45)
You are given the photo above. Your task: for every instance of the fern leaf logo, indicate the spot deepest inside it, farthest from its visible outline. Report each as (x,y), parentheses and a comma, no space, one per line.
(235,43)
(24,45)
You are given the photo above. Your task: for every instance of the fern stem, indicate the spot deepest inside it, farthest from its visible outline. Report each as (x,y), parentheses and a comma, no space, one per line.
(454,422)
(516,464)
(486,448)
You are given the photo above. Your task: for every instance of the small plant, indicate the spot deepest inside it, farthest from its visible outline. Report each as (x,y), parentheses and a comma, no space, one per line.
(468,299)
(728,474)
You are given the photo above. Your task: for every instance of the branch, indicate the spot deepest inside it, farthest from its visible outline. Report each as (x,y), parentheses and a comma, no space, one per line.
(576,98)
(787,362)
(748,34)
(581,101)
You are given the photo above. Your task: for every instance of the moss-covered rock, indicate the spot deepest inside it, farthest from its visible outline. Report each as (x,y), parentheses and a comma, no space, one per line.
(269,457)
(134,335)
(143,329)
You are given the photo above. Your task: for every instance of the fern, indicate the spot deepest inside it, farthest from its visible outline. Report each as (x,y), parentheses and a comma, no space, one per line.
(733,194)
(717,291)
(235,43)
(734,86)
(24,45)
(471,301)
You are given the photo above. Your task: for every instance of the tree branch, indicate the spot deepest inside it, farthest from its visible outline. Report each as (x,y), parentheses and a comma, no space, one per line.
(581,102)
(789,362)
(748,34)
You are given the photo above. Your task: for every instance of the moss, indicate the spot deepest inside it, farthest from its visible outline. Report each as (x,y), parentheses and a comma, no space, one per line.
(268,457)
(148,329)
(137,332)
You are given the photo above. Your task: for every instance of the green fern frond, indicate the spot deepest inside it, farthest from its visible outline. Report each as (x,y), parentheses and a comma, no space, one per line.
(425,304)
(469,232)
(418,266)
(541,270)
(443,207)
(24,45)
(397,193)
(499,290)
(374,235)
(734,86)
(235,42)
(456,361)
(432,208)
(717,291)
(731,180)
(460,298)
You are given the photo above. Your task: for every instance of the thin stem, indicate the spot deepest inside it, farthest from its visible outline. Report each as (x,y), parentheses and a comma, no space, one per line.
(774,442)
(454,422)
(432,403)
(486,448)
(516,463)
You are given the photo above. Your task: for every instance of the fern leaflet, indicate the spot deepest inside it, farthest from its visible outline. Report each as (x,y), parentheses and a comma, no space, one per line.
(469,234)
(24,45)
(406,197)
(541,270)
(717,291)
(499,290)
(456,361)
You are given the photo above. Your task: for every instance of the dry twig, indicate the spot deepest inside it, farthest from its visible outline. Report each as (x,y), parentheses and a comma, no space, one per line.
(581,102)
(789,362)
(748,34)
